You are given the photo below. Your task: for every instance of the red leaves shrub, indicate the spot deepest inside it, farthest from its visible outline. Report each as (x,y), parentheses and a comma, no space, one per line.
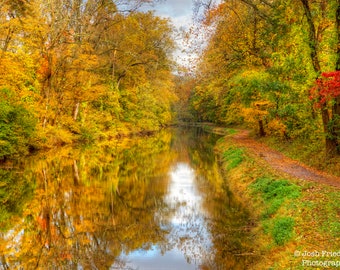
(326,88)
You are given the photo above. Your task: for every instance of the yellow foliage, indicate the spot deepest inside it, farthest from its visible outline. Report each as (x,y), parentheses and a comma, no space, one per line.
(81,74)
(233,110)
(276,127)
(16,70)
(253,114)
(53,136)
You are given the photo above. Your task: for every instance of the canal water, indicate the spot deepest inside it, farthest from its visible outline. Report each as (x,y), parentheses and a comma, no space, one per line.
(157,202)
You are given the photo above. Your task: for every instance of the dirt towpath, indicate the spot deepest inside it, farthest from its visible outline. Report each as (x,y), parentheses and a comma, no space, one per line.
(280,162)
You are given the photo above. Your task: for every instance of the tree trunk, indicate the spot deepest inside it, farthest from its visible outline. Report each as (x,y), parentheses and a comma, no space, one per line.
(262,133)
(331,139)
(76,111)
(336,123)
(76,178)
(337,24)
(312,42)
(3,262)
(6,43)
(331,142)
(336,105)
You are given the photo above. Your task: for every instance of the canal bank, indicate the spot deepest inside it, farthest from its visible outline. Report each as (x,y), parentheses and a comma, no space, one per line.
(292,217)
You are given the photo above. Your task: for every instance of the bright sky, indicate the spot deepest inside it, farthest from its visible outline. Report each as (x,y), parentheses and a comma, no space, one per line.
(180,12)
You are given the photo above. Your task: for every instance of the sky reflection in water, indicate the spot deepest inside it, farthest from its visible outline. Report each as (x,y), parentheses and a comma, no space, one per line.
(188,235)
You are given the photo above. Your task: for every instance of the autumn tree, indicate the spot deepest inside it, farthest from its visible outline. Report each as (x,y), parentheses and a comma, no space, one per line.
(135,62)
(320,18)
(68,58)
(244,38)
(18,88)
(85,69)
(184,85)
(288,42)
(75,58)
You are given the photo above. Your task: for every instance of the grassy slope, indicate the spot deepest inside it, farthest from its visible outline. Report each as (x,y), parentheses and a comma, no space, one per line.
(292,215)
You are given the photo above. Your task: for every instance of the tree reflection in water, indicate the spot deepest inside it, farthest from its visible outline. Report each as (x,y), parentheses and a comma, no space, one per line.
(156,202)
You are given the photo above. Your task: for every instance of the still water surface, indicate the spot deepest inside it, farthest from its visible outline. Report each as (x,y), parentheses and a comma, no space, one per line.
(144,203)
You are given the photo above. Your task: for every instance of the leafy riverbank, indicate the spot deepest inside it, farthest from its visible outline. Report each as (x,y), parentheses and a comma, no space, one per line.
(57,88)
(293,217)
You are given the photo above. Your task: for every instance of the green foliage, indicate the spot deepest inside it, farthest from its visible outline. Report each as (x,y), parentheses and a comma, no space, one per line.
(230,131)
(87,135)
(17,126)
(268,96)
(282,230)
(273,208)
(276,189)
(250,84)
(15,191)
(206,104)
(274,194)
(207,128)
(233,157)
